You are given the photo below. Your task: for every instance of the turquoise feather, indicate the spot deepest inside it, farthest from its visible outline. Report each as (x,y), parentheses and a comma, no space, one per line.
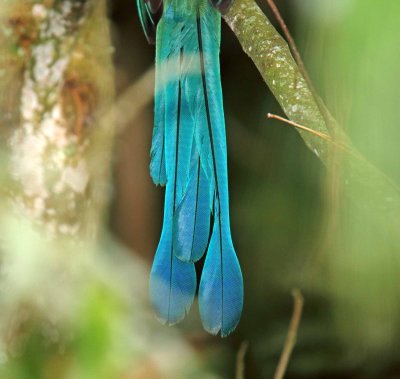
(172,281)
(193,216)
(157,153)
(221,285)
(189,155)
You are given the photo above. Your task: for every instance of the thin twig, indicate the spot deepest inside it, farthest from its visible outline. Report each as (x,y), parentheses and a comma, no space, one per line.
(290,40)
(300,63)
(291,336)
(241,354)
(298,126)
(324,136)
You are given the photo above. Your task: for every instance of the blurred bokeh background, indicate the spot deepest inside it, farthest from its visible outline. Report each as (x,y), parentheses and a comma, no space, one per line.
(292,224)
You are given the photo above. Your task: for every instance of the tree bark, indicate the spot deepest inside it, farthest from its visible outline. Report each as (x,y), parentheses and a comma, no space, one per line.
(56,59)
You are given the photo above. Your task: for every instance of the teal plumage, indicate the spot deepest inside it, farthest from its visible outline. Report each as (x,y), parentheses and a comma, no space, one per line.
(193,216)
(157,153)
(188,155)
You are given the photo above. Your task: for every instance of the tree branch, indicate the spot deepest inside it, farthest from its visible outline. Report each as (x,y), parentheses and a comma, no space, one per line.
(59,150)
(364,183)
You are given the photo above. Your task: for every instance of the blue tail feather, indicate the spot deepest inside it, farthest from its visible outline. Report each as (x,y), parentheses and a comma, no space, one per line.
(157,163)
(172,283)
(192,218)
(157,153)
(221,285)
(189,155)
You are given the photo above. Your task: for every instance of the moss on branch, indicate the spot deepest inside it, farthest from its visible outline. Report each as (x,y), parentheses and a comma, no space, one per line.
(362,181)
(59,151)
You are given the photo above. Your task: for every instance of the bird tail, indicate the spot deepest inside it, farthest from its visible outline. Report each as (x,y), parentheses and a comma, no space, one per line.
(221,285)
(189,146)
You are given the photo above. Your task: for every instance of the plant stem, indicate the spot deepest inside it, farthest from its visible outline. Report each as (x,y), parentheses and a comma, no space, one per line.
(291,335)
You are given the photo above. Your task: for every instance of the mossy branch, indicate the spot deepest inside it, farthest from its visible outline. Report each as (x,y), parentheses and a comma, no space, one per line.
(363,182)
(59,151)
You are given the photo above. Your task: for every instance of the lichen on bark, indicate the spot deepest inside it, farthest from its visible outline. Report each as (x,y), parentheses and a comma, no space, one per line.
(63,47)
